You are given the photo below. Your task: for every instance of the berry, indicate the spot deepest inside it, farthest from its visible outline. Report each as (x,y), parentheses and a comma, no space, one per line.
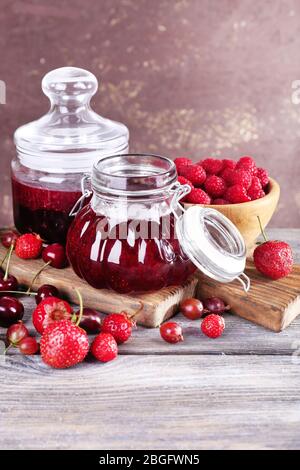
(104,347)
(237,194)
(220,202)
(9,238)
(91,321)
(228,163)
(213,325)
(56,255)
(212,166)
(50,310)
(46,290)
(16,333)
(226,175)
(198,196)
(255,183)
(171,332)
(215,305)
(215,186)
(242,177)
(29,246)
(118,325)
(182,161)
(63,344)
(8,282)
(11,311)
(28,346)
(192,308)
(183,180)
(255,193)
(247,163)
(274,259)
(263,176)
(194,173)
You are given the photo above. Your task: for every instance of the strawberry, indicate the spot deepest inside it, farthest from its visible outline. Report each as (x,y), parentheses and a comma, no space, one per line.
(63,344)
(247,163)
(49,310)
(198,196)
(263,176)
(28,246)
(237,194)
(194,173)
(215,186)
(212,166)
(118,325)
(213,325)
(104,347)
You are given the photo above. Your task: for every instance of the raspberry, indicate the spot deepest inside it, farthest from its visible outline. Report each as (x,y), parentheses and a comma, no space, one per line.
(213,166)
(237,194)
(255,183)
(242,177)
(220,202)
(183,180)
(255,193)
(247,163)
(198,196)
(104,347)
(215,186)
(263,176)
(28,246)
(274,259)
(194,173)
(182,161)
(228,163)
(213,325)
(226,174)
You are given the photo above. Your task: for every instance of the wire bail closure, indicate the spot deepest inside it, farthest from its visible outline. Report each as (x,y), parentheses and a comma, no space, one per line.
(179,191)
(86,193)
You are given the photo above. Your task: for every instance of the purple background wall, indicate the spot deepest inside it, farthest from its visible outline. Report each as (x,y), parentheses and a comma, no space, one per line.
(189,77)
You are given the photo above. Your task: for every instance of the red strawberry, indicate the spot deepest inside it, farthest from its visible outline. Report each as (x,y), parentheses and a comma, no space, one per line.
(118,325)
(63,344)
(242,177)
(220,202)
(237,194)
(28,246)
(213,325)
(212,166)
(50,310)
(104,347)
(263,176)
(182,161)
(247,163)
(215,186)
(198,196)
(194,173)
(228,163)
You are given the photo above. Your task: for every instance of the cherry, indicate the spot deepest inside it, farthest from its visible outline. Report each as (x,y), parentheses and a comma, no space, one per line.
(46,290)
(192,308)
(16,333)
(56,255)
(9,238)
(91,321)
(171,332)
(28,346)
(215,305)
(7,282)
(11,311)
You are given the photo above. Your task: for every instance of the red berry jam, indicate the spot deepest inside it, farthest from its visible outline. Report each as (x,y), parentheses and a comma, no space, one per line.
(125,264)
(42,210)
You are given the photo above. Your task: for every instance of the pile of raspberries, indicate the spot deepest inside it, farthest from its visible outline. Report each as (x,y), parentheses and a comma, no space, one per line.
(218,182)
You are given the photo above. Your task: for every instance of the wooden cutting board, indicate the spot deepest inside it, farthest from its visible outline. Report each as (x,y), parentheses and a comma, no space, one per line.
(272,304)
(149,309)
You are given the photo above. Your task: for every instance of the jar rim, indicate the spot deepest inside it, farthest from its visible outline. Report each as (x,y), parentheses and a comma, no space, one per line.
(133,174)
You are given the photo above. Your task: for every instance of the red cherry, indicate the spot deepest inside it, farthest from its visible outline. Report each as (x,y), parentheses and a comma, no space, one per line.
(215,305)
(171,332)
(11,311)
(9,238)
(8,282)
(28,346)
(16,333)
(46,290)
(56,255)
(192,308)
(91,321)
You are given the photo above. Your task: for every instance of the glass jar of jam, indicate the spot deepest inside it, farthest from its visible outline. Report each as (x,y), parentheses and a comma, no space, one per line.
(55,151)
(133,236)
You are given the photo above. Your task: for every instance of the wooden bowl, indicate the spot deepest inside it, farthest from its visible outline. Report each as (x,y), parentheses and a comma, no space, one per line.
(244,216)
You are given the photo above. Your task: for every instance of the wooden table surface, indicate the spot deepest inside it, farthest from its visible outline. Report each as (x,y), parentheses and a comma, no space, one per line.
(240,391)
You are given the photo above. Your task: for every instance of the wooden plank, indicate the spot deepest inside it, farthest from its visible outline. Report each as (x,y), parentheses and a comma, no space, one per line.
(184,402)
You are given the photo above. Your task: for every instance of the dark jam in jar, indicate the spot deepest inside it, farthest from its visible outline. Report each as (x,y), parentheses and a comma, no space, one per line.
(42,210)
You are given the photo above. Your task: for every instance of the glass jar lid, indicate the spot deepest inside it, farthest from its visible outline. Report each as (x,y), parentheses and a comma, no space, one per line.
(70,137)
(213,244)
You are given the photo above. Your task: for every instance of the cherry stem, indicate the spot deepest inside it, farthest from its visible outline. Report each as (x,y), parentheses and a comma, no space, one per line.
(262,230)
(36,275)
(9,253)
(8,347)
(17,292)
(80,307)
(4,259)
